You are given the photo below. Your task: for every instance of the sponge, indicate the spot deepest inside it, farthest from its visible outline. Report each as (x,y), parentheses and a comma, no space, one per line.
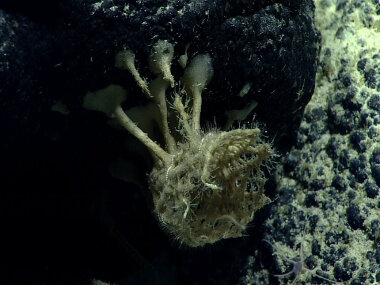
(206,185)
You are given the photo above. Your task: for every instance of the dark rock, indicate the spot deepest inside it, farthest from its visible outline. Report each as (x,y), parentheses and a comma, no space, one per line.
(358,169)
(374,102)
(371,190)
(291,161)
(339,183)
(357,139)
(354,218)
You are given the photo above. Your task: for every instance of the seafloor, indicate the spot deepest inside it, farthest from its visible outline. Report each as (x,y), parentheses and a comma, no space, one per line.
(328,184)
(322,225)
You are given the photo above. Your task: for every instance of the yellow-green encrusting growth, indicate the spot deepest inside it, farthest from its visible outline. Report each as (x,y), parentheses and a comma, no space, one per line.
(206,186)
